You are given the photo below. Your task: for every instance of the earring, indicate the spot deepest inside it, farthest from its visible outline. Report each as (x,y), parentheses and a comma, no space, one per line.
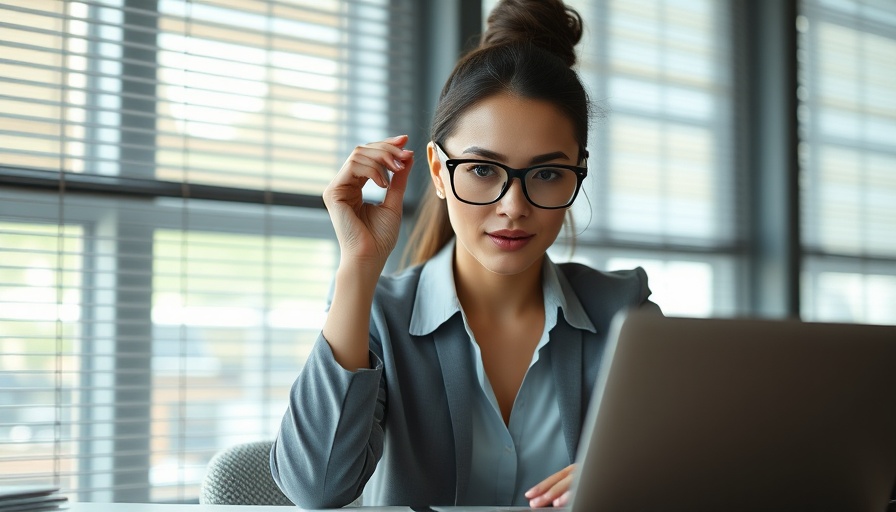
(440,194)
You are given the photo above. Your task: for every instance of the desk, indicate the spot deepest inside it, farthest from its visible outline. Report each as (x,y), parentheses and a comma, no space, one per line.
(164,507)
(157,507)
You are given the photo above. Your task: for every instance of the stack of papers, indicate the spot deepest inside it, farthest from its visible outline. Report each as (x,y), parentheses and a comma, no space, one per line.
(30,499)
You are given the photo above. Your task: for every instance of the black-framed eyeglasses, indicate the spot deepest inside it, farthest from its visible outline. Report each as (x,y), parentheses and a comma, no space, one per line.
(482,182)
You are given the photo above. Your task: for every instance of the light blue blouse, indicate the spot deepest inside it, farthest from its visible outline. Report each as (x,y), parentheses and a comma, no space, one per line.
(508,459)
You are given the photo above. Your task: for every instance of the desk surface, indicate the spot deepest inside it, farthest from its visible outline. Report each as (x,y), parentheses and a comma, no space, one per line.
(157,507)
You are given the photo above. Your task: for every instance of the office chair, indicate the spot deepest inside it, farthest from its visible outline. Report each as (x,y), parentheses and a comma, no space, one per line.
(241,475)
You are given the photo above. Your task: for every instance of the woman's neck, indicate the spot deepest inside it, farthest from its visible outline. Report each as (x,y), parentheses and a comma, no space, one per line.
(483,292)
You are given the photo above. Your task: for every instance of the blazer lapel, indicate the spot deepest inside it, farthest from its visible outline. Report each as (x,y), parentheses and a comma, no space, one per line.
(457,372)
(566,362)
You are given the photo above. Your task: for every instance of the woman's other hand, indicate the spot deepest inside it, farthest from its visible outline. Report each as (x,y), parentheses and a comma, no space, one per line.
(553,490)
(367,233)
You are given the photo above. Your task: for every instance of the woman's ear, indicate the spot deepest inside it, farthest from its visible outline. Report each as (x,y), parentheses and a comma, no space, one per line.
(435,169)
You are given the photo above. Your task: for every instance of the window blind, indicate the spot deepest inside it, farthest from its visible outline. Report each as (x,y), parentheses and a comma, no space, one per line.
(157,294)
(847,157)
(663,191)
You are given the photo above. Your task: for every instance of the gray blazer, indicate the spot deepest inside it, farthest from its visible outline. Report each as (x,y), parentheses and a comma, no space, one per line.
(408,418)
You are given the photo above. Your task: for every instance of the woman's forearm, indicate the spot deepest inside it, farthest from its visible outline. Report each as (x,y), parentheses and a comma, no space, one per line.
(348,321)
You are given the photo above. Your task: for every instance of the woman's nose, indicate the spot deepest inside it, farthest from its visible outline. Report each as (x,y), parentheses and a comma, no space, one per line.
(514,203)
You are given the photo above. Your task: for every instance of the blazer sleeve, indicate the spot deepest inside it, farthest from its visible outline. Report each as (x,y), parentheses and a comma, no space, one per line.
(331,436)
(644,293)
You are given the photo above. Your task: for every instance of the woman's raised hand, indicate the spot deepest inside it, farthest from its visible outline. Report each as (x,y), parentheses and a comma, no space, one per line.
(367,233)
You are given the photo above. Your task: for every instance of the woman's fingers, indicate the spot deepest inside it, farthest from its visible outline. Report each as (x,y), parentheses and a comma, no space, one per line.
(364,166)
(368,232)
(553,490)
(369,162)
(395,194)
(562,501)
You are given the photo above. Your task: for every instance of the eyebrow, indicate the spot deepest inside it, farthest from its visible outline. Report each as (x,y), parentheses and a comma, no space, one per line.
(491,155)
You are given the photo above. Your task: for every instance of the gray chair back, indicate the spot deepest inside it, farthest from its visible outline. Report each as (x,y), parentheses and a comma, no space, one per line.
(241,475)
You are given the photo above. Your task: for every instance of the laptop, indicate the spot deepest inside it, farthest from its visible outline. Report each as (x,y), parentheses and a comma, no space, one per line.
(740,414)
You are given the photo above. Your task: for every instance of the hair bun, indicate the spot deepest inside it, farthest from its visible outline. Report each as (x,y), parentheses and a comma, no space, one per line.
(549,24)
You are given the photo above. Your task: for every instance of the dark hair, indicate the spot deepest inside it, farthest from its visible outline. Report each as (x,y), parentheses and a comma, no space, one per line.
(528,50)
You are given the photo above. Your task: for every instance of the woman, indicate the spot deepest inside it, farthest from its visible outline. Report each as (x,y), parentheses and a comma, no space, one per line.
(463,379)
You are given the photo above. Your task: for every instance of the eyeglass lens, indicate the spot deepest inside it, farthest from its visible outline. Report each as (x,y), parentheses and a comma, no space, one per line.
(483,182)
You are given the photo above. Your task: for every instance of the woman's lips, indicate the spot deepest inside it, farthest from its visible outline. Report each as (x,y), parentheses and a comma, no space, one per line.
(510,240)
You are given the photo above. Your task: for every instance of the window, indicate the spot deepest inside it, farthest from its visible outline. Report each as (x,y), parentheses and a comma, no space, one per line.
(164,254)
(848,156)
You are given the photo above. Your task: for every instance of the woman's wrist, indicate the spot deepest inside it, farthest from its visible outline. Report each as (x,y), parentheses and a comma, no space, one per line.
(360,277)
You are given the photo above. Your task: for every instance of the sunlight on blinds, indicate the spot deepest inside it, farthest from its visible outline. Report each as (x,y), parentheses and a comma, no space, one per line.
(661,180)
(854,110)
(142,333)
(244,84)
(40,338)
(263,95)
(665,176)
(134,350)
(848,157)
(664,169)
(234,317)
(43,77)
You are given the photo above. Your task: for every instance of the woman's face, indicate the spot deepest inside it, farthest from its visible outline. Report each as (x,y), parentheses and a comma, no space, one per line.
(511,235)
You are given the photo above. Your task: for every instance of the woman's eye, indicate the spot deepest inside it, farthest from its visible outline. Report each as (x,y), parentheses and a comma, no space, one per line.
(482,170)
(547,174)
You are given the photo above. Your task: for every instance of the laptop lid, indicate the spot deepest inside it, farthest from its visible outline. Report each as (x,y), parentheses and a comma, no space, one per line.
(737,414)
